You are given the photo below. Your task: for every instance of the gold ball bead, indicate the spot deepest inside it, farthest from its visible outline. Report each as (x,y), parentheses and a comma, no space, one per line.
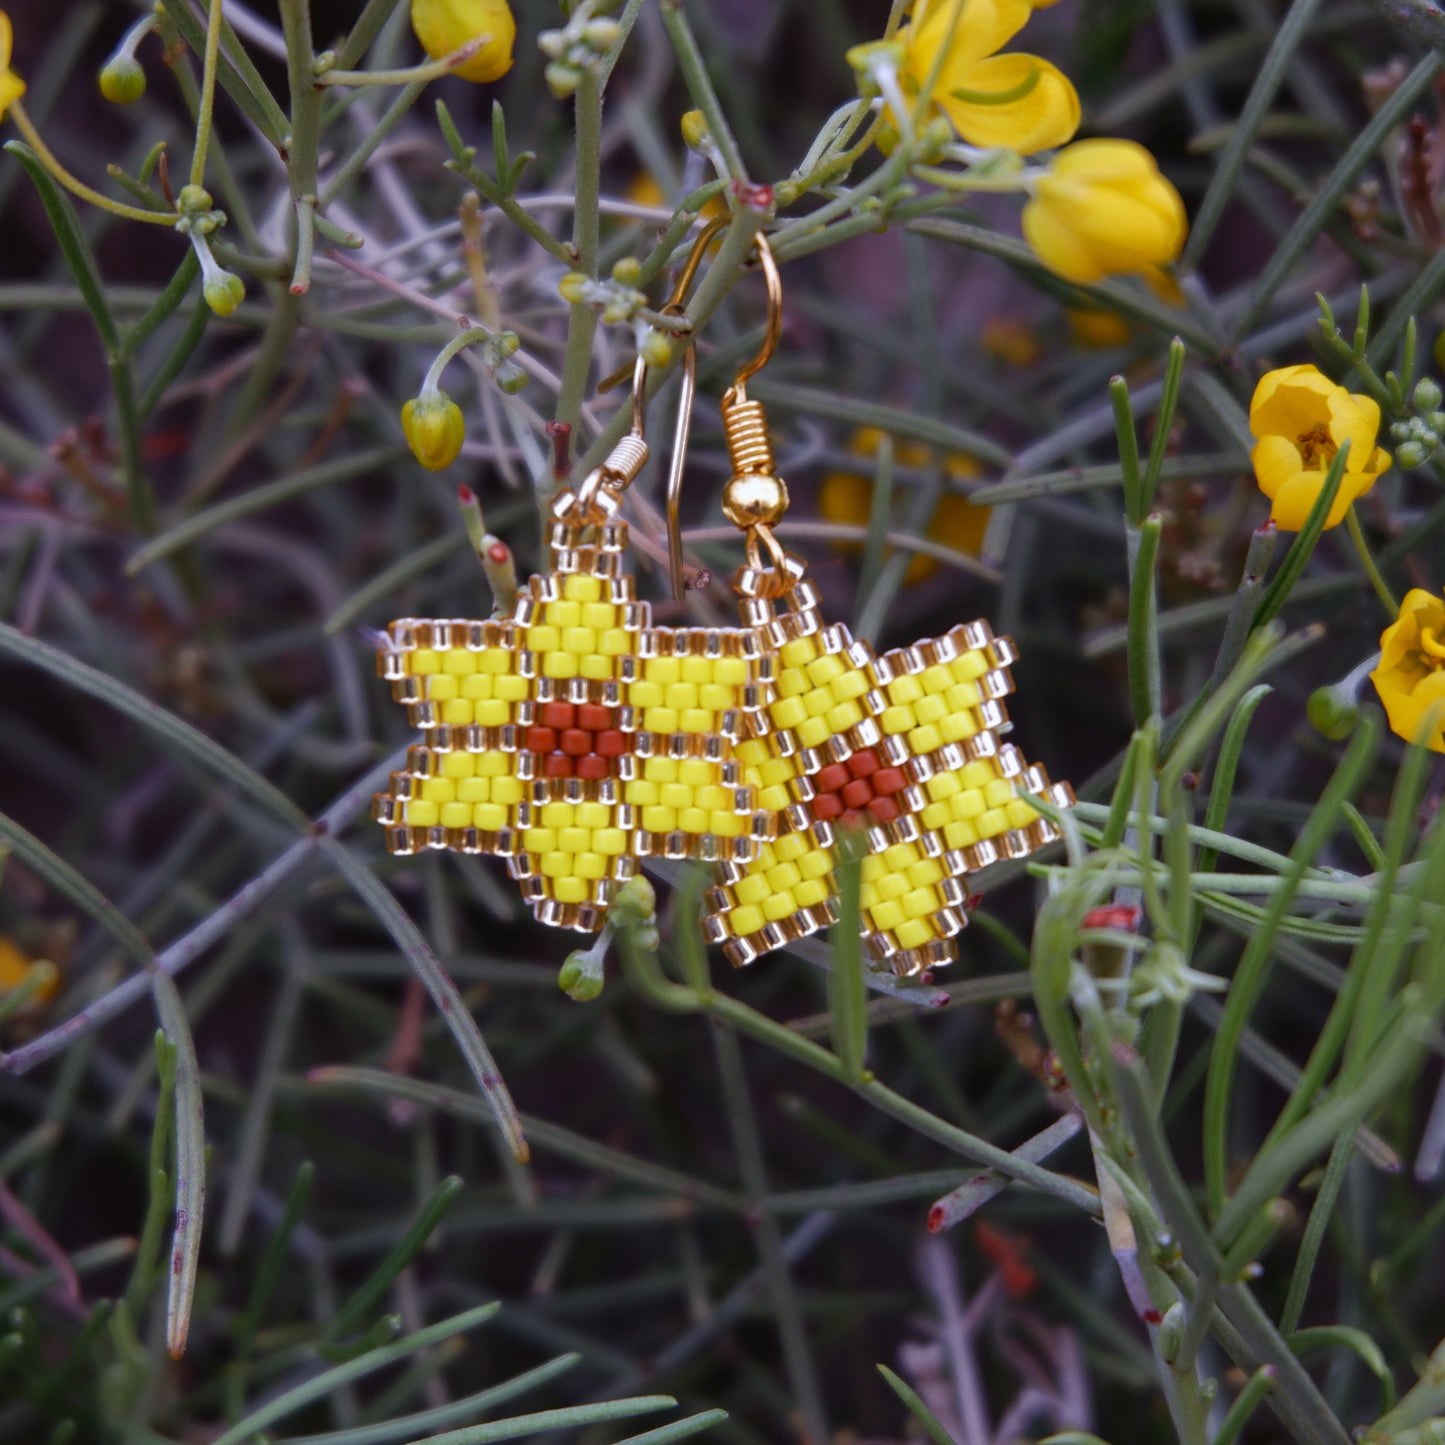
(753,500)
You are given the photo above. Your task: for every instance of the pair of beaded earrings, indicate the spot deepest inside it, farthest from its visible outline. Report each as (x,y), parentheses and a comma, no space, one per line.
(576,739)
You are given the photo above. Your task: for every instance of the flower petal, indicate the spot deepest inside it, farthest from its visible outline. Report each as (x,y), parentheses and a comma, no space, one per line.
(11,89)
(1296,497)
(1291,401)
(7,40)
(1276,460)
(1058,246)
(966,30)
(1047,115)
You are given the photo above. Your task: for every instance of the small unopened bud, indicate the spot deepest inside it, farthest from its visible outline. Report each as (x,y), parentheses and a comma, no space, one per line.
(573,286)
(1171,1332)
(434,429)
(1427,394)
(627,271)
(510,377)
(1333,711)
(656,348)
(224,291)
(601,35)
(562,79)
(695,134)
(122,80)
(580,976)
(934,140)
(635,903)
(1411,453)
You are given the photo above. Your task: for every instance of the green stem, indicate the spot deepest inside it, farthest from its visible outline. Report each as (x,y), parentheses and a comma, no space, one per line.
(208,94)
(695,77)
(1357,536)
(351,167)
(304,145)
(459,342)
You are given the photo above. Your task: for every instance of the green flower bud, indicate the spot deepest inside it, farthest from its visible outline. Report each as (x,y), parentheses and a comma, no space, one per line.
(122,80)
(193,199)
(635,904)
(656,348)
(510,377)
(695,133)
(580,976)
(1411,454)
(1171,1332)
(224,291)
(627,272)
(1427,395)
(562,79)
(601,35)
(1435,420)
(573,286)
(1333,712)
(434,429)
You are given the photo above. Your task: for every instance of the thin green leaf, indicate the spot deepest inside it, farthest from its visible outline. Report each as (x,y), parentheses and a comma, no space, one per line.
(925,1417)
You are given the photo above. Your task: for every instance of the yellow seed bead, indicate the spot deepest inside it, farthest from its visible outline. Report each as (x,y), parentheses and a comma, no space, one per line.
(614,642)
(543,638)
(774,799)
(926,739)
(968,665)
(610,842)
(423,661)
(817,701)
(599,616)
(590,865)
(822,670)
(579,641)
(811,893)
(963,695)
(728,825)
(570,890)
(714,798)
(960,835)
(896,719)
(662,669)
(816,864)
(564,614)
(640,793)
(991,823)
(790,847)
(680,695)
(730,671)
(597,668)
(489,817)
(783,875)
(779,906)
(692,820)
(660,720)
(900,857)
(456,815)
(696,670)
(442,687)
(913,932)
(556,815)
(918,902)
(539,840)
(793,682)
(998,792)
(872,867)
(849,685)
(799,652)
(477,686)
(574,840)
(885,916)
(457,765)
(594,815)
(658,819)
(1020,813)
(438,790)
(930,709)
(578,587)
(420,813)
(957,726)
(645,694)
(905,689)
(893,885)
(474,790)
(978,774)
(844,716)
(754,752)
(942,785)
(493,713)
(696,773)
(507,790)
(778,770)
(936,679)
(695,720)
(494,661)
(745,920)
(813,732)
(660,770)
(751,889)
(510,688)
(459,662)
(966,804)
(675,795)
(493,765)
(717,698)
(458,713)
(559,664)
(868,895)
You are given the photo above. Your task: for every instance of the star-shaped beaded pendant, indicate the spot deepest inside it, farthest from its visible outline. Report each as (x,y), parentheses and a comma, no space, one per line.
(574,738)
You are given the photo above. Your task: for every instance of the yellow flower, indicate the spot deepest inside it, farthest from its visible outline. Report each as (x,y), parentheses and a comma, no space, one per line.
(444,26)
(11,86)
(1017,102)
(846,496)
(1301,418)
(17,968)
(1095,330)
(1410,677)
(1103,209)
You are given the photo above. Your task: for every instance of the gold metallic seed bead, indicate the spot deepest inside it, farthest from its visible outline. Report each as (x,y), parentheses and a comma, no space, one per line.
(751,500)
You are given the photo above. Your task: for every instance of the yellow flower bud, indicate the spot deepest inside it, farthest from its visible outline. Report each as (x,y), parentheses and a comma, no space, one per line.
(224,291)
(122,80)
(573,286)
(656,349)
(11,86)
(1103,209)
(434,429)
(444,26)
(694,130)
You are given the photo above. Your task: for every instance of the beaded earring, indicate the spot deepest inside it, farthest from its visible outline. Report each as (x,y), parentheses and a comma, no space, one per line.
(903,749)
(574,738)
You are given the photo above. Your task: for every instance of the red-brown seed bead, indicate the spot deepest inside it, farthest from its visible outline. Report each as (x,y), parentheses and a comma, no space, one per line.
(863,763)
(576,742)
(884,810)
(593,768)
(611,743)
(857,793)
(831,778)
(827,806)
(557,765)
(887,781)
(557,715)
(541,740)
(593,716)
